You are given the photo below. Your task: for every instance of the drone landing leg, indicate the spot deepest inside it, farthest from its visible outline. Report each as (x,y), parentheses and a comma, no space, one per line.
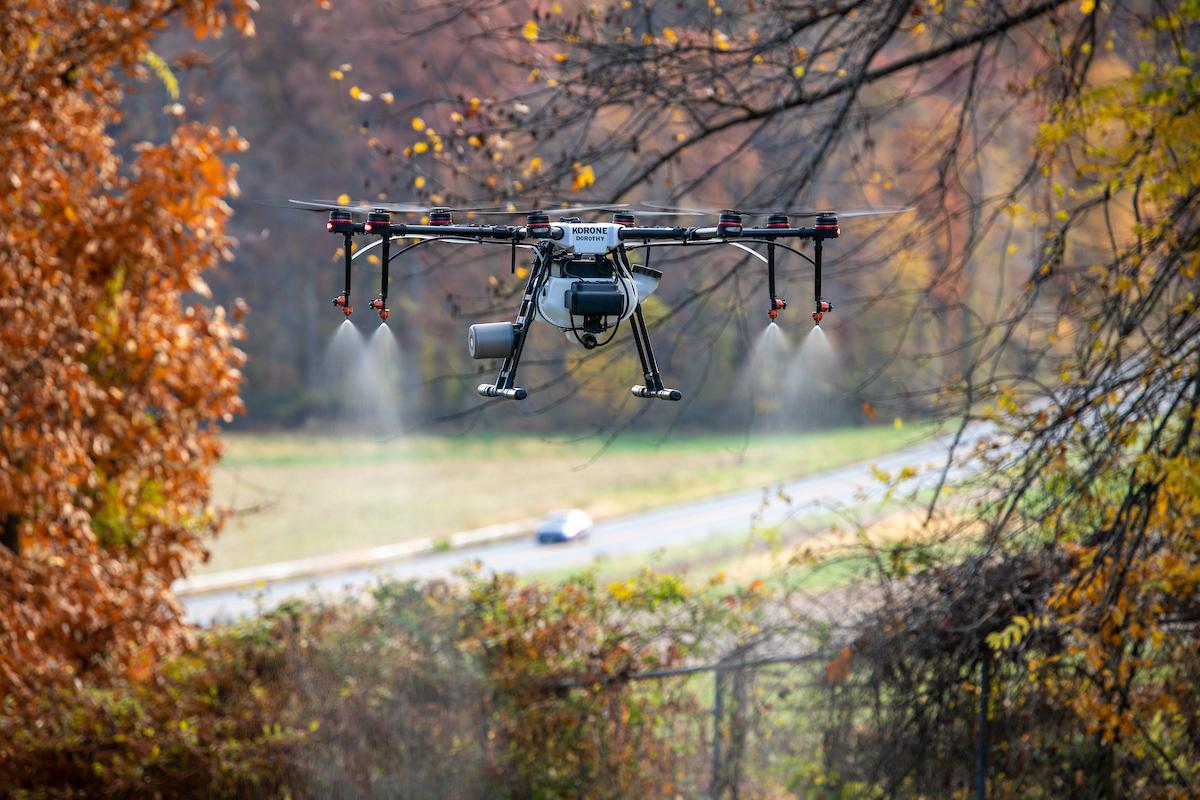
(654,385)
(503,387)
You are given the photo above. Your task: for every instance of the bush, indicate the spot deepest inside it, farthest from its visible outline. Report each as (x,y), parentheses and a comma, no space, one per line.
(494,688)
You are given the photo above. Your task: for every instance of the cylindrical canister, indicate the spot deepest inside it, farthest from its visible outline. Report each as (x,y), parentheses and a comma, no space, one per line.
(490,340)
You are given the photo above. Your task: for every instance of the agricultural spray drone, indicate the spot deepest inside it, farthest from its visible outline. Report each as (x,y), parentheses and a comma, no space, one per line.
(581,280)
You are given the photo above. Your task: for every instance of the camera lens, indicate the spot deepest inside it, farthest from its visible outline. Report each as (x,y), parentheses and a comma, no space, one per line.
(589,340)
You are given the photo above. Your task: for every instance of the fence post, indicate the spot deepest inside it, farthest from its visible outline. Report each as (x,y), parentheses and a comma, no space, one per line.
(717,712)
(981,732)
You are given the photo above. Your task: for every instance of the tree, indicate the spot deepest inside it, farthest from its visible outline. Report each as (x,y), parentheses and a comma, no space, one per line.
(113,380)
(1048,286)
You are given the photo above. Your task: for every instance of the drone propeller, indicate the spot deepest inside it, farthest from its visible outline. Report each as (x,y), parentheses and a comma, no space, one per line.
(395,208)
(550,211)
(666,210)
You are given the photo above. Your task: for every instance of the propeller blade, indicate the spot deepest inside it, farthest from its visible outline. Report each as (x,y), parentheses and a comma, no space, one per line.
(395,208)
(559,211)
(791,212)
(841,214)
(663,210)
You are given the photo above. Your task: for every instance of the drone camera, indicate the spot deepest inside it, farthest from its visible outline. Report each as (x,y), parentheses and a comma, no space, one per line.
(340,222)
(379,222)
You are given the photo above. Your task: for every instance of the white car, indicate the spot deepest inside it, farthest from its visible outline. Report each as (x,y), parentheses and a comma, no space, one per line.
(564,526)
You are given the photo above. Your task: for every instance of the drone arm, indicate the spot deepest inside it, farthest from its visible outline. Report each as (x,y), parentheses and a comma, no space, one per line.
(648,234)
(502,233)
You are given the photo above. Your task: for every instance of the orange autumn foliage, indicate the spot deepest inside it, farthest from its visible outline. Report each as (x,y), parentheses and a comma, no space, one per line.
(111,381)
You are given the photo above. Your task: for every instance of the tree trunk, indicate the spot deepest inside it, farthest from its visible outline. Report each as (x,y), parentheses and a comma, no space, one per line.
(8,535)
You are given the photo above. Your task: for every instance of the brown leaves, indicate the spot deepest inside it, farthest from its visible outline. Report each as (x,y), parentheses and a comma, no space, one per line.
(109,387)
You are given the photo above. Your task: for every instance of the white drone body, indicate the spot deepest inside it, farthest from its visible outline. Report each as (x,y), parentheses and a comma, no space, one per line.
(586,259)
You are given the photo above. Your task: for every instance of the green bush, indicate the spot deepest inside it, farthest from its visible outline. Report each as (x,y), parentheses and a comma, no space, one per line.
(492,688)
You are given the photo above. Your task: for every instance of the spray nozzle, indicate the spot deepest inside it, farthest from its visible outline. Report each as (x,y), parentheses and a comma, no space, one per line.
(342,301)
(379,305)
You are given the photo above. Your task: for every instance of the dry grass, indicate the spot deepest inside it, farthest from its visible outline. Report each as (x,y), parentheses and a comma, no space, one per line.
(302,495)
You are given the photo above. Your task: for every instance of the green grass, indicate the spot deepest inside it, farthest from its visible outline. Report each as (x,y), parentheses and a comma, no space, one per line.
(299,495)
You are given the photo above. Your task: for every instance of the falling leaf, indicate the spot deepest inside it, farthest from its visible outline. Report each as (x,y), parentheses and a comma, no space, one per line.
(584,177)
(897,423)
(670,36)
(337,74)
(418,124)
(420,147)
(530,31)
(343,199)
(720,40)
(419,182)
(388,98)
(869,410)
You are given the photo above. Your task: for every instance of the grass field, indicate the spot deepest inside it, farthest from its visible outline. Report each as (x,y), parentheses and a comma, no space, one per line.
(299,495)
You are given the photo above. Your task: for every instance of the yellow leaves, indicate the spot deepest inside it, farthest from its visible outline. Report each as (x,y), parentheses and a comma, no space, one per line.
(621,590)
(420,147)
(337,74)
(530,31)
(343,199)
(419,182)
(897,423)
(359,95)
(561,57)
(522,272)
(1087,6)
(669,36)
(388,98)
(163,71)
(533,74)
(720,41)
(418,124)
(1011,635)
(584,177)
(798,71)
(555,7)
(474,141)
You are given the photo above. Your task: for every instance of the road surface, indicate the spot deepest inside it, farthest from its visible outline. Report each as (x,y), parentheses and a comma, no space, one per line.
(645,532)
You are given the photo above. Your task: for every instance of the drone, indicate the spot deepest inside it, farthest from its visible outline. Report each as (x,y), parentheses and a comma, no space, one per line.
(581,280)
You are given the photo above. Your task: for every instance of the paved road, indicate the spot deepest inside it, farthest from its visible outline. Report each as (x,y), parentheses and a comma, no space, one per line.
(636,533)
